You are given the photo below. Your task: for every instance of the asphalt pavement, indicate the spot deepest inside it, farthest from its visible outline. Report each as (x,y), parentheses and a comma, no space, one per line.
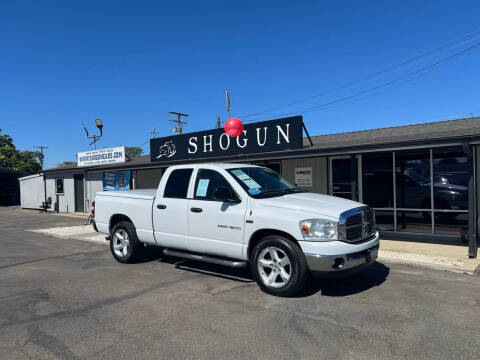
(65,298)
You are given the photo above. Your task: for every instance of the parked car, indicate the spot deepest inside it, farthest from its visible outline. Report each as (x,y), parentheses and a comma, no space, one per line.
(241,215)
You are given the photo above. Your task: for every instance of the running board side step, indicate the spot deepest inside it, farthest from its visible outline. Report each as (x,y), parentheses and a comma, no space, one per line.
(209,259)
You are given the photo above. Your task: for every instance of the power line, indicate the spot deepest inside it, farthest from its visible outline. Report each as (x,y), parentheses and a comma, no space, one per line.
(410,60)
(41,147)
(415,74)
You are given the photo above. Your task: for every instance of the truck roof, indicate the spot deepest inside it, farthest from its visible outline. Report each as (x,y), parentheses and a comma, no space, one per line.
(221,165)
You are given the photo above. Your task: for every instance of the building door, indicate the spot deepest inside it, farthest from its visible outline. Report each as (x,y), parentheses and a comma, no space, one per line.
(345,179)
(79,193)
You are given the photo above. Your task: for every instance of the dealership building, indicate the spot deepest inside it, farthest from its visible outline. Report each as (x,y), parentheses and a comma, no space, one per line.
(420,179)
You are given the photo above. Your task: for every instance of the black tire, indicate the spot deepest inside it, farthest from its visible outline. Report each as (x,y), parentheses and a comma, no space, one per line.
(299,273)
(134,245)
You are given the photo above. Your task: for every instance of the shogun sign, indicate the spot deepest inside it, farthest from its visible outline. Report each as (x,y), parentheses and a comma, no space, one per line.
(101,157)
(266,136)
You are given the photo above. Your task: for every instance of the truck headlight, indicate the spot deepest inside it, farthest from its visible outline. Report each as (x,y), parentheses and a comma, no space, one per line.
(319,230)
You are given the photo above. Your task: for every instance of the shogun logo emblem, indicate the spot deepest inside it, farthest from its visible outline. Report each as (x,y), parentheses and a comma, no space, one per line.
(167,149)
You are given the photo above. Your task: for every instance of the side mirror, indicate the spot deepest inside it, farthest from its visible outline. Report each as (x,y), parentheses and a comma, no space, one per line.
(225,194)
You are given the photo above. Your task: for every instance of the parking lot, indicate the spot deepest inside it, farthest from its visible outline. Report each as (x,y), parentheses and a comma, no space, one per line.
(62,295)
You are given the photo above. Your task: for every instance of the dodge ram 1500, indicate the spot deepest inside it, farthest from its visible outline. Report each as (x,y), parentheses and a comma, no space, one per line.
(241,215)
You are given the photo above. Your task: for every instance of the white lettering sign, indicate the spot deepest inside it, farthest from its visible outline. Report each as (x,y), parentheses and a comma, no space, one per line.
(101,157)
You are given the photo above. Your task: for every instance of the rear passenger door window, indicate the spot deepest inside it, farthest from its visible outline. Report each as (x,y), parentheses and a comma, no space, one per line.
(177,184)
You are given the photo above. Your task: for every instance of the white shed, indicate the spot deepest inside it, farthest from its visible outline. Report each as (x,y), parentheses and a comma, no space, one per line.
(32,191)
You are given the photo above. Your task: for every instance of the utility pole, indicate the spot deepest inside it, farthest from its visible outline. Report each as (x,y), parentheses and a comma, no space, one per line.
(41,147)
(218,122)
(227,102)
(178,127)
(154,132)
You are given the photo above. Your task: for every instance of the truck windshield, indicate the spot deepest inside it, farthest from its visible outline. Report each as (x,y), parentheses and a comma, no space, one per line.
(262,182)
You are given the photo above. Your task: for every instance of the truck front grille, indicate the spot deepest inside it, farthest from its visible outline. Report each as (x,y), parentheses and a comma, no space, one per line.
(357,224)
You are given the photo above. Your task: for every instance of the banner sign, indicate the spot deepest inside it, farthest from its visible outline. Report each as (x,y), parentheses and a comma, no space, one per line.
(260,137)
(101,157)
(116,180)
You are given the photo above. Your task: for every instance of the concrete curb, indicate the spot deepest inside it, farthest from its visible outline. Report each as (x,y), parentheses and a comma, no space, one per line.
(464,266)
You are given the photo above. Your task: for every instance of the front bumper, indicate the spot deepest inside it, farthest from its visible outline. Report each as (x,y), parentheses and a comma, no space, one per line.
(343,264)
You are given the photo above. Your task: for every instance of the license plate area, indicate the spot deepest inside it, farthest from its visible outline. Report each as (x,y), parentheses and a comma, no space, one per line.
(366,255)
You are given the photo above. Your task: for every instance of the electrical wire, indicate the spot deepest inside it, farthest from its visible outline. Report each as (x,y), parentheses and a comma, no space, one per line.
(415,74)
(447,46)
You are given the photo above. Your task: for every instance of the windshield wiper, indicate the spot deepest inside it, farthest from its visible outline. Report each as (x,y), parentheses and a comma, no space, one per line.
(280,191)
(297,190)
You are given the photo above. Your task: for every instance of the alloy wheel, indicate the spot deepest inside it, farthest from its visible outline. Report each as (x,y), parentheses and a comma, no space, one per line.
(121,243)
(274,267)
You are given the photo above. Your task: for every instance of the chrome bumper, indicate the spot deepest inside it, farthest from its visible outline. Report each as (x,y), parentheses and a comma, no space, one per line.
(343,264)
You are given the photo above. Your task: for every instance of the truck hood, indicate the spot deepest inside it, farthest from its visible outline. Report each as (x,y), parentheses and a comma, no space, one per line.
(316,204)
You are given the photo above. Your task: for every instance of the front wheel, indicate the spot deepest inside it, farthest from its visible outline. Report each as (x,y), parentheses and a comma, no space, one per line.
(279,266)
(124,243)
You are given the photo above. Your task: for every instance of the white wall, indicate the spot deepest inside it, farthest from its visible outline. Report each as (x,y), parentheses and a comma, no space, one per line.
(319,172)
(66,202)
(94,184)
(32,192)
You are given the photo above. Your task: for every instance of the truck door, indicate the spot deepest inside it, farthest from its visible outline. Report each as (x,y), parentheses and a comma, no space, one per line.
(215,226)
(170,210)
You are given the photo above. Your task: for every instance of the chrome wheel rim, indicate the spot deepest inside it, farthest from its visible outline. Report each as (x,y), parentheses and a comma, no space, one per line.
(121,243)
(274,267)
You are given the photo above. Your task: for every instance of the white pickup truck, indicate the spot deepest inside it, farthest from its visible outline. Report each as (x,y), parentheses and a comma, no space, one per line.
(239,215)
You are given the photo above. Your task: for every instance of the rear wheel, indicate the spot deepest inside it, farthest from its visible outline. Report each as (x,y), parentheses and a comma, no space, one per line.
(124,243)
(279,266)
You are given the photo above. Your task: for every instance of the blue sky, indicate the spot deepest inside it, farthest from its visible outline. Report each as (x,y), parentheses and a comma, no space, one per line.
(129,63)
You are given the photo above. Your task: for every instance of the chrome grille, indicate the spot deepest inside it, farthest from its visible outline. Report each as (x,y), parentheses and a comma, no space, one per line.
(357,224)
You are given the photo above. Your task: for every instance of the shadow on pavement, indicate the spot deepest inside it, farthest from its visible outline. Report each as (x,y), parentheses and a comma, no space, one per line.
(364,280)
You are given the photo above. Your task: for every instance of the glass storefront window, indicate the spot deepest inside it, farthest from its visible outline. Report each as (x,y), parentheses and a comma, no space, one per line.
(342,173)
(451,223)
(378,180)
(414,221)
(450,179)
(384,220)
(412,176)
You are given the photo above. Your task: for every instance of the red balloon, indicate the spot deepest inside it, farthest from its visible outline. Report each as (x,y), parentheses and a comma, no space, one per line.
(234,127)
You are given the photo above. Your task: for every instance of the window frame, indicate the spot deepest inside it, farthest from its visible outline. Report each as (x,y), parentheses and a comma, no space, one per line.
(63,186)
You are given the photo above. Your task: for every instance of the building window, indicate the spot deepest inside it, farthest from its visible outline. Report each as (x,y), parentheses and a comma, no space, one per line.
(344,173)
(414,221)
(412,172)
(450,179)
(450,191)
(378,180)
(384,220)
(427,192)
(59,186)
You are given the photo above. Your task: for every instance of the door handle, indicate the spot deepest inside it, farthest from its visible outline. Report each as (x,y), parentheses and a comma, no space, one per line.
(161,206)
(197,210)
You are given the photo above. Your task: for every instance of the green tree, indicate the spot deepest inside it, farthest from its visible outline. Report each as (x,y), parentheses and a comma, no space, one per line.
(133,151)
(67,163)
(12,158)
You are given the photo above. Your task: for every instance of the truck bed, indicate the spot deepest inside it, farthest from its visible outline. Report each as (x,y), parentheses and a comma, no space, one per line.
(146,194)
(136,205)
